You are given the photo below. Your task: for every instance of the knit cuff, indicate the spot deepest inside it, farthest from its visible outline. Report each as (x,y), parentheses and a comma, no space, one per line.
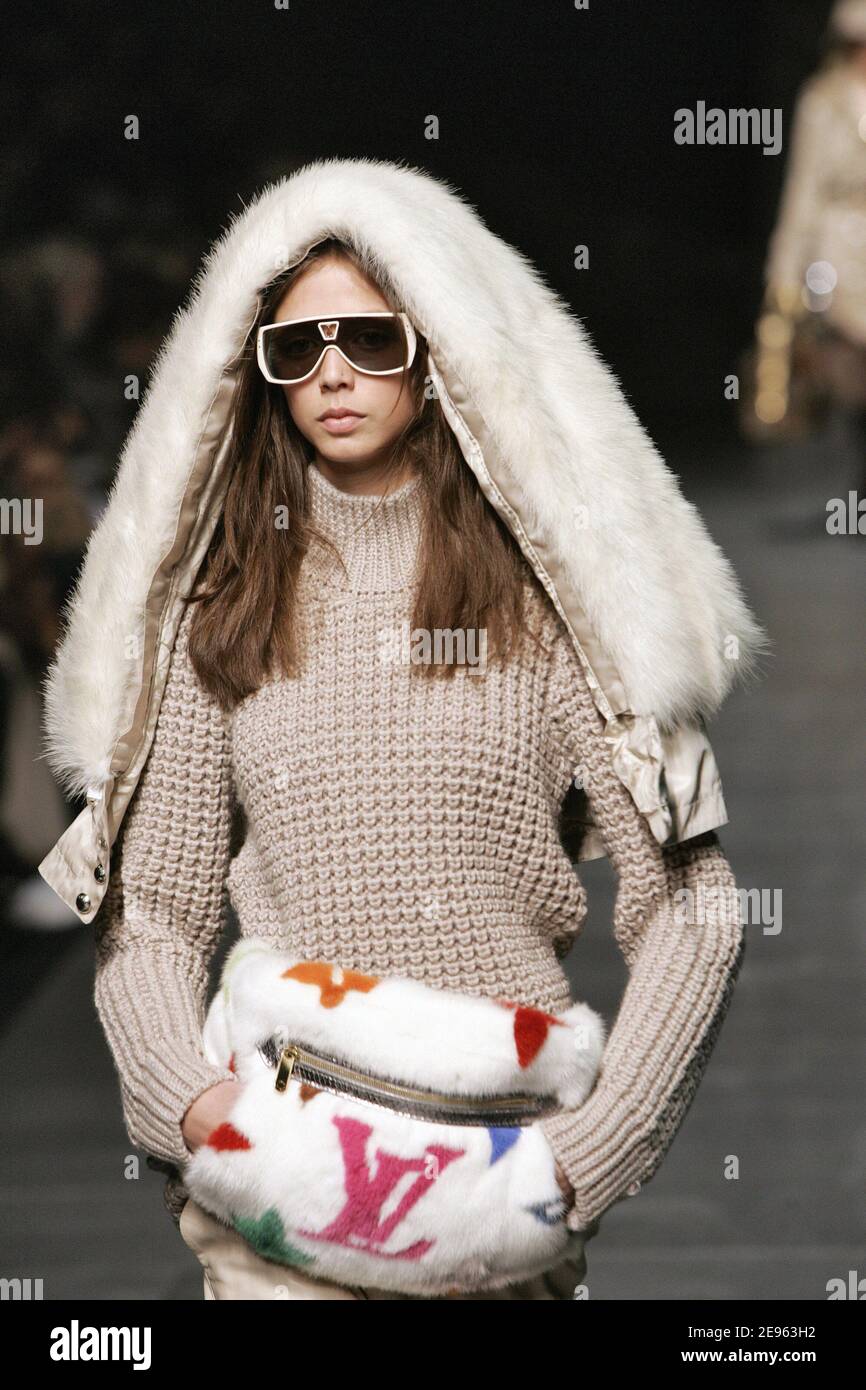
(592,1150)
(173,1077)
(671,1012)
(151,1006)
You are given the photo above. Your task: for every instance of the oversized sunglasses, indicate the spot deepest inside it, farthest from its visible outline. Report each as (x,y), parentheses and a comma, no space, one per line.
(379,344)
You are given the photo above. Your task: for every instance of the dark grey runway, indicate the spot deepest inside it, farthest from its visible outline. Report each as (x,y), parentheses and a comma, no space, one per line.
(784,1094)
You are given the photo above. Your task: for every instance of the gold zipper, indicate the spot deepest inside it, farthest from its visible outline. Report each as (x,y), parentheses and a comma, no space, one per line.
(302,1063)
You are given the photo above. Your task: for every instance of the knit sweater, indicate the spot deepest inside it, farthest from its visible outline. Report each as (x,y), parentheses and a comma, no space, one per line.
(403,825)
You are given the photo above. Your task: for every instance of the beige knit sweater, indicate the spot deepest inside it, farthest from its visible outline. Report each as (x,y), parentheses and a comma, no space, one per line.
(395,824)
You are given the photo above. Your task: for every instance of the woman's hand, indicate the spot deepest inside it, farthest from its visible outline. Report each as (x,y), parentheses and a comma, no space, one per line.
(207,1112)
(565,1186)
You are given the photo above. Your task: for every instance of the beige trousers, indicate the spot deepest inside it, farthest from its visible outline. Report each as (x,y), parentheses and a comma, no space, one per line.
(233,1270)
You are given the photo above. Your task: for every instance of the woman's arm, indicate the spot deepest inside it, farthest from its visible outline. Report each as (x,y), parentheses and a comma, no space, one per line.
(163,914)
(681,974)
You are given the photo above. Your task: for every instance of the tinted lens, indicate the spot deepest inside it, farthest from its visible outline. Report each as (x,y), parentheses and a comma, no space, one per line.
(374,345)
(371,344)
(292,352)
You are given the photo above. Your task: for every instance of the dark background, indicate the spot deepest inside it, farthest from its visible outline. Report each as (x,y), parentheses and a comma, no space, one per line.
(557,125)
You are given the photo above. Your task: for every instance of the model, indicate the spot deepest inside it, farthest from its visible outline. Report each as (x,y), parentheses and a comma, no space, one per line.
(390,579)
(815,270)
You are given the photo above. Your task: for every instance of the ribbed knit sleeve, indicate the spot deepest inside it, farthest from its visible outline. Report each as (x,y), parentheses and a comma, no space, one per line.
(683,949)
(163,914)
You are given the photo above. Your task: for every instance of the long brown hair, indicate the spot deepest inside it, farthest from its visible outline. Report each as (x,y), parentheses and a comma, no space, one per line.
(471,572)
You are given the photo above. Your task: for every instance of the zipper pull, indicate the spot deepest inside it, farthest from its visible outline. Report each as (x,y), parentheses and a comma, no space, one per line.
(285,1067)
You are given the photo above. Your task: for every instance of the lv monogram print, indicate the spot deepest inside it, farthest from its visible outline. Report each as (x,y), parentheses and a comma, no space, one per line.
(370,1199)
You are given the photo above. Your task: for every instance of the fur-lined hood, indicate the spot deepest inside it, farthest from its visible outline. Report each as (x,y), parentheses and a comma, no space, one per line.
(651,603)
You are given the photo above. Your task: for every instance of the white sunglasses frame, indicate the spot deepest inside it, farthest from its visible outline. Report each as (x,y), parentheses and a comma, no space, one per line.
(411,339)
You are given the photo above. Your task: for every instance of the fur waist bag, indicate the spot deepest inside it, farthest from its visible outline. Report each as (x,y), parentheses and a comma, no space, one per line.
(386,1131)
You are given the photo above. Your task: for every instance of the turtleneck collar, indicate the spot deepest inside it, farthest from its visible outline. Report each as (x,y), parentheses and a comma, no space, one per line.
(377,537)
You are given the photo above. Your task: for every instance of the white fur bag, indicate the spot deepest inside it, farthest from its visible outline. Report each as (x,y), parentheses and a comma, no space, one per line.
(386,1131)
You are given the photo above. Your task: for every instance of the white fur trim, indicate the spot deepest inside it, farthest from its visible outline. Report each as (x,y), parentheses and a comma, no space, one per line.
(363,1194)
(657,591)
(401,1028)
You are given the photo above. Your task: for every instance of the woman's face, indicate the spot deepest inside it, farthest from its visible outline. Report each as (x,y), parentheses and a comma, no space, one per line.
(359,448)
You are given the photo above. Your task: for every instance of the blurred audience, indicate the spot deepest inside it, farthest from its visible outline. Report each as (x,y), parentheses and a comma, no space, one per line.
(84,314)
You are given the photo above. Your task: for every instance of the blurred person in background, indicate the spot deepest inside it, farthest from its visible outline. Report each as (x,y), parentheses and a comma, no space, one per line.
(86,323)
(815,271)
(39,566)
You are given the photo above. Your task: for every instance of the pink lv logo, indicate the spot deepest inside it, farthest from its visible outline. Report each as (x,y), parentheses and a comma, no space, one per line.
(359,1224)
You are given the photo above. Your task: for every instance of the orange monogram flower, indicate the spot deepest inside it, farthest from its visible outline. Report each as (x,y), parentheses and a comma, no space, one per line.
(333,981)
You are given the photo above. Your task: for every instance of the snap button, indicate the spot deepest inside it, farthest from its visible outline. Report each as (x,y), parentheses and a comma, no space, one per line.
(99,874)
(82,902)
